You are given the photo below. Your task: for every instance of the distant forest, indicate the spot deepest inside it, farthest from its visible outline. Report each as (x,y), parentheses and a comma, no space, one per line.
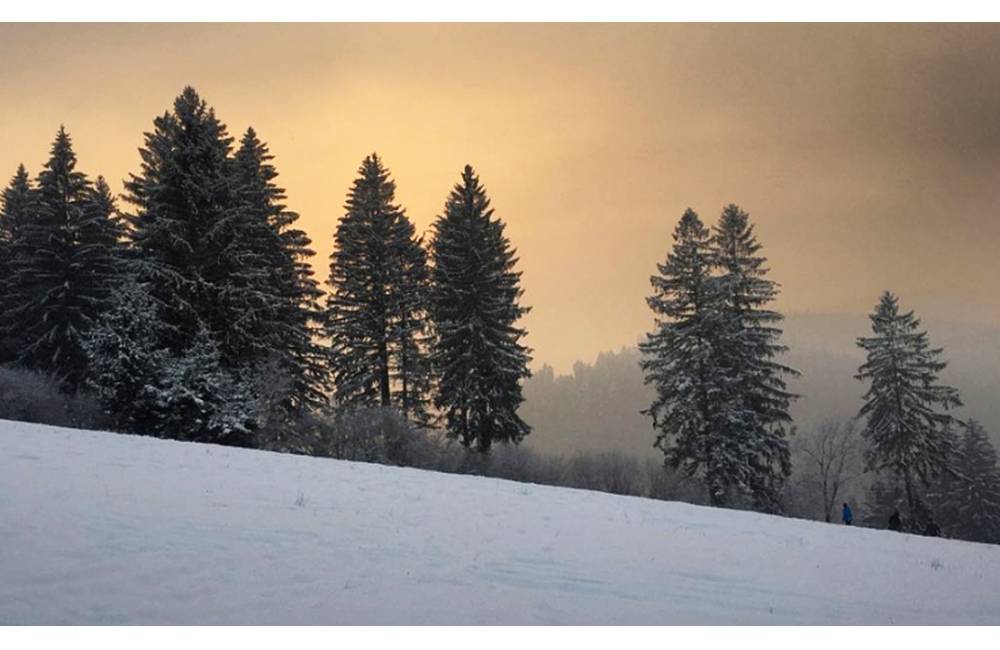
(597,405)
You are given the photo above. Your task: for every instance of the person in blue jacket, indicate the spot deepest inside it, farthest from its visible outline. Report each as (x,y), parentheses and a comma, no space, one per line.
(846,515)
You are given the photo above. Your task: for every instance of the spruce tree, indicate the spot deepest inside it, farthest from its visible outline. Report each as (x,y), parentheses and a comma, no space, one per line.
(289,325)
(475,294)
(908,434)
(185,230)
(17,201)
(207,245)
(376,311)
(126,364)
(967,498)
(65,265)
(678,358)
(17,204)
(108,227)
(752,394)
(200,400)
(411,365)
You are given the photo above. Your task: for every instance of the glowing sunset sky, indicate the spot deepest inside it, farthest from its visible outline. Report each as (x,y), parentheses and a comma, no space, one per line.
(869,156)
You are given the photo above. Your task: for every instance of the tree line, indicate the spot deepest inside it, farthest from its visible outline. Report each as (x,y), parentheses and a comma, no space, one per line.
(194,313)
(721,408)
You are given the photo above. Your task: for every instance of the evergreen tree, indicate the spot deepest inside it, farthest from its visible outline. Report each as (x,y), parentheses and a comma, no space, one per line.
(217,250)
(967,499)
(752,395)
(475,305)
(197,399)
(185,231)
(65,264)
(107,224)
(908,436)
(376,312)
(678,359)
(284,251)
(125,360)
(17,204)
(411,365)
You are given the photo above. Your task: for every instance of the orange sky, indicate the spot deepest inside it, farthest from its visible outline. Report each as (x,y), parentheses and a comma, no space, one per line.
(868,155)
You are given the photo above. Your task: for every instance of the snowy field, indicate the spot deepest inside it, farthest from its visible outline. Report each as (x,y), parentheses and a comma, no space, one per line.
(105,528)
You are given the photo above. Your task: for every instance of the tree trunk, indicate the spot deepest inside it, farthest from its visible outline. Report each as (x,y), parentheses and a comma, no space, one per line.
(911,504)
(383,378)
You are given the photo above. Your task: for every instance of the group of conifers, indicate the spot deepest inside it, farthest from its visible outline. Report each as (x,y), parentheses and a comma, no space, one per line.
(722,408)
(193,312)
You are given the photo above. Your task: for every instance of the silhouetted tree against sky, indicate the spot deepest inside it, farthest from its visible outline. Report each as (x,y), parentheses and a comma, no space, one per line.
(475,304)
(905,424)
(377,306)
(64,263)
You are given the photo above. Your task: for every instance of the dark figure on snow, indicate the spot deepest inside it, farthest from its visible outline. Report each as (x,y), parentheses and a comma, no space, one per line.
(846,515)
(932,530)
(894,522)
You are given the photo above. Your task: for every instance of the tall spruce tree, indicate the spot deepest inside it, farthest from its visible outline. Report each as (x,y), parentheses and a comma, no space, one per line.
(411,365)
(284,251)
(64,266)
(475,294)
(967,499)
(908,434)
(184,229)
(205,243)
(376,311)
(17,204)
(678,358)
(752,396)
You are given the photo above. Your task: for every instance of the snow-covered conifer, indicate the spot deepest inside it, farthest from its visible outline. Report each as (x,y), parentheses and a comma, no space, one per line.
(376,311)
(287,328)
(966,501)
(125,361)
(183,232)
(65,260)
(17,203)
(752,395)
(475,292)
(721,406)
(909,432)
(197,399)
(678,358)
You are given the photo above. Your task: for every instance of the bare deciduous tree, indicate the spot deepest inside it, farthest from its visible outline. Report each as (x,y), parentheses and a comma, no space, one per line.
(834,458)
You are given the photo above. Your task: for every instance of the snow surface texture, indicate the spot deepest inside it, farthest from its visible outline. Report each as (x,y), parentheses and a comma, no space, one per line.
(106,528)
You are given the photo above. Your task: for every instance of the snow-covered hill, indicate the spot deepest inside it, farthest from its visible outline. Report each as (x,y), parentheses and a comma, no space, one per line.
(104,528)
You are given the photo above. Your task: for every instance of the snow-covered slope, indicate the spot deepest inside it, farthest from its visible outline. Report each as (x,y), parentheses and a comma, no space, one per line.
(104,528)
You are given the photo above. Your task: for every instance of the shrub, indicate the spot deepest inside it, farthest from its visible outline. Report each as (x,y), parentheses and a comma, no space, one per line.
(382,435)
(374,435)
(521,464)
(32,397)
(612,472)
(667,484)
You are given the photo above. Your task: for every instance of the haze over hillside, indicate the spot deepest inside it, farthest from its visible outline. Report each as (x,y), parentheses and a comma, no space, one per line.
(597,407)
